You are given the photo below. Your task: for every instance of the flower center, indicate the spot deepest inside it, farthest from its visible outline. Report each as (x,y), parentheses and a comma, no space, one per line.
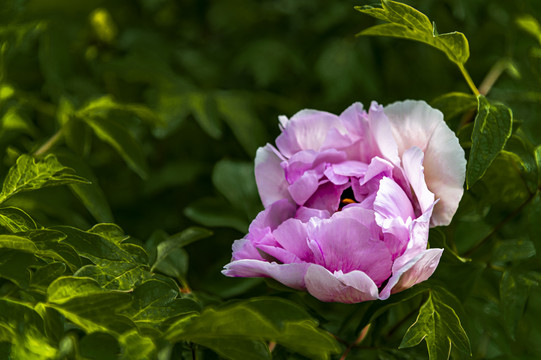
(347,198)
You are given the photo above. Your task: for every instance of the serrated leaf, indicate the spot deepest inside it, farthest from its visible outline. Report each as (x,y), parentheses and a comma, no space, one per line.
(188,236)
(156,303)
(454,103)
(255,320)
(440,327)
(491,130)
(239,117)
(115,275)
(16,220)
(44,275)
(27,174)
(86,304)
(408,23)
(48,246)
(119,137)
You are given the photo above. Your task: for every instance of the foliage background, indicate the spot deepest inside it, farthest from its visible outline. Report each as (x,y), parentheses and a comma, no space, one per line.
(162,104)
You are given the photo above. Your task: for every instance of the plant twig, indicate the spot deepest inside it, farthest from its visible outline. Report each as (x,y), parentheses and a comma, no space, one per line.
(469,80)
(53,140)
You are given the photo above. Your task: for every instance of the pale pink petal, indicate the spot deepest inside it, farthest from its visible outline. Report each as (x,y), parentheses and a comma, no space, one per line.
(349,288)
(292,236)
(415,123)
(291,275)
(381,131)
(269,176)
(304,214)
(413,272)
(273,216)
(412,162)
(306,130)
(244,249)
(391,202)
(305,186)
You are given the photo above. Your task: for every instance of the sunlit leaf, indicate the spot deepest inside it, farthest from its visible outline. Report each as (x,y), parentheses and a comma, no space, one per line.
(408,23)
(136,346)
(440,327)
(27,174)
(491,130)
(256,319)
(16,220)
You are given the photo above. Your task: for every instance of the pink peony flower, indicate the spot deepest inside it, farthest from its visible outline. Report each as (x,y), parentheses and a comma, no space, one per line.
(349,201)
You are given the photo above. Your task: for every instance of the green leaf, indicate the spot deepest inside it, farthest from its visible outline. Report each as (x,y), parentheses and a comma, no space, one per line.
(24,329)
(188,236)
(239,117)
(16,220)
(213,212)
(156,303)
(48,245)
(538,162)
(440,327)
(513,250)
(91,195)
(86,304)
(408,23)
(99,346)
(15,266)
(119,137)
(491,130)
(514,292)
(454,103)
(236,181)
(46,274)
(136,346)
(204,110)
(530,24)
(259,319)
(27,174)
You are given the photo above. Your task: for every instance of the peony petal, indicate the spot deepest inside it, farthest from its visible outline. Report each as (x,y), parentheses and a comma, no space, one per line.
(415,123)
(412,162)
(273,216)
(302,189)
(327,197)
(292,236)
(269,176)
(391,202)
(413,272)
(381,129)
(346,245)
(291,275)
(244,249)
(304,214)
(306,130)
(349,288)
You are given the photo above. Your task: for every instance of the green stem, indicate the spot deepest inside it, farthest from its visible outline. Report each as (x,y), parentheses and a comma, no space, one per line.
(469,80)
(53,140)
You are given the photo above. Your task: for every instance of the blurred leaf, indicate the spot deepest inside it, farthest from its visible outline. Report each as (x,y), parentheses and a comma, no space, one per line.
(213,212)
(529,24)
(255,319)
(119,137)
(23,328)
(99,346)
(15,266)
(514,292)
(408,23)
(440,327)
(16,220)
(538,161)
(28,175)
(239,117)
(204,110)
(491,130)
(236,181)
(513,250)
(137,347)
(454,103)
(86,304)
(167,247)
